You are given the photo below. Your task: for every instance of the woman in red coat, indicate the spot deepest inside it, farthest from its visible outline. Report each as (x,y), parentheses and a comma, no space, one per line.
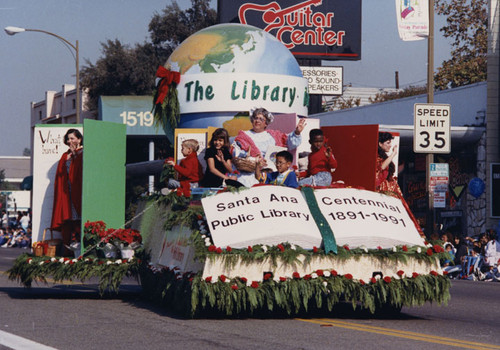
(67,209)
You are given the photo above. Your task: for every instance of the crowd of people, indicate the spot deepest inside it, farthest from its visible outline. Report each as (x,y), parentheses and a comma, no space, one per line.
(472,258)
(16,233)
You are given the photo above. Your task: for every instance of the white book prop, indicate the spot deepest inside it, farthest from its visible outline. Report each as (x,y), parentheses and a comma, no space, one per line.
(261,215)
(364,218)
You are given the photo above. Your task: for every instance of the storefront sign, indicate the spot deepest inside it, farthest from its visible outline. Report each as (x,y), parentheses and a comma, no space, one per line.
(201,93)
(315,29)
(324,80)
(133,111)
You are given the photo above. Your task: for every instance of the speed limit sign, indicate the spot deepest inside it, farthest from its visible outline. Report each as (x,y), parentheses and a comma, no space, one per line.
(432,128)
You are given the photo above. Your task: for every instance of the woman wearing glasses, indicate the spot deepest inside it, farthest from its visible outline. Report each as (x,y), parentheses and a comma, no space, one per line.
(256,141)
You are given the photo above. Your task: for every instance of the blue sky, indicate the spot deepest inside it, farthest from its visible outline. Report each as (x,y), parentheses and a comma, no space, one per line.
(33,63)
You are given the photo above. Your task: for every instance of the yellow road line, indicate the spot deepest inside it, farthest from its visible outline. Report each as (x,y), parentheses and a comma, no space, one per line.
(402,334)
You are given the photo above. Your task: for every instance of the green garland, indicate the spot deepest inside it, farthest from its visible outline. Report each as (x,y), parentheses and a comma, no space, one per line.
(193,296)
(28,268)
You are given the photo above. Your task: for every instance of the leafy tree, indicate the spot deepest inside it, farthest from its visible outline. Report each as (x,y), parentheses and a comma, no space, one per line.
(406,92)
(125,70)
(122,71)
(467,22)
(173,26)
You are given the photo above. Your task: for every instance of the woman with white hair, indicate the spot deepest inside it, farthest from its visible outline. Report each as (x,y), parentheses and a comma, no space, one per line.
(256,141)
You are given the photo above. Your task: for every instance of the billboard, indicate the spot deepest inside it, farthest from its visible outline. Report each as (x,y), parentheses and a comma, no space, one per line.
(312,29)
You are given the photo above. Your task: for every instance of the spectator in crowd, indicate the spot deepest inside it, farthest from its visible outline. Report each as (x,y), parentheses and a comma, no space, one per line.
(24,221)
(5,219)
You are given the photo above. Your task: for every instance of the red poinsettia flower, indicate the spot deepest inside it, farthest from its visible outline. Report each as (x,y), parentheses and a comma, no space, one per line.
(267,276)
(445,273)
(280,247)
(362,282)
(387,279)
(346,247)
(307,277)
(190,279)
(438,248)
(244,280)
(222,278)
(208,279)
(348,276)
(333,273)
(254,284)
(434,273)
(400,273)
(320,272)
(296,275)
(414,275)
(315,249)
(218,250)
(405,248)
(199,217)
(429,252)
(379,248)
(250,249)
(373,280)
(282,279)
(211,248)
(100,262)
(234,287)
(228,249)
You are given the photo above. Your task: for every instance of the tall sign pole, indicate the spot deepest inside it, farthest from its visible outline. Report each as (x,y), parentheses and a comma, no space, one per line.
(430,99)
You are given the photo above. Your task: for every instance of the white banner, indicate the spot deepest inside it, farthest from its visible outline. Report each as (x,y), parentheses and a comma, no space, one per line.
(48,147)
(261,215)
(366,218)
(412,19)
(201,93)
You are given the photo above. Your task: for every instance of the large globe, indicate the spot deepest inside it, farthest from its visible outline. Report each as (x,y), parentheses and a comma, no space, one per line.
(233,48)
(224,52)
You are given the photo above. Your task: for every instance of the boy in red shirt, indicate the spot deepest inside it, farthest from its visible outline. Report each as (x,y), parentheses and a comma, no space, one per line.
(189,170)
(321,162)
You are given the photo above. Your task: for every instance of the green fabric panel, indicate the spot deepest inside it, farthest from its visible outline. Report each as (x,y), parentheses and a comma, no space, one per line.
(104,173)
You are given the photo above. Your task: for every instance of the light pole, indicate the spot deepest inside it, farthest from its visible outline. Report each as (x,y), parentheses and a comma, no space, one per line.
(14,30)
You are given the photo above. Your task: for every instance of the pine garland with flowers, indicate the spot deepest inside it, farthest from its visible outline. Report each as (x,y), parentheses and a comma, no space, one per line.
(28,269)
(193,296)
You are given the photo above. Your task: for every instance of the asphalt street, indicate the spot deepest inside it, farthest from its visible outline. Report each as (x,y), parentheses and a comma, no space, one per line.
(74,316)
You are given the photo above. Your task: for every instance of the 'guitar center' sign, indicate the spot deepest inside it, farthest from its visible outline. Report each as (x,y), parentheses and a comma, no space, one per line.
(315,29)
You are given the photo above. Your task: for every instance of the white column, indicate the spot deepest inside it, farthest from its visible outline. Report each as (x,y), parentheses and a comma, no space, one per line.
(151,157)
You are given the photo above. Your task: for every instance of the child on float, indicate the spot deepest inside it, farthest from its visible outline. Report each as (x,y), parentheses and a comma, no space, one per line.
(321,162)
(285,176)
(189,170)
(218,158)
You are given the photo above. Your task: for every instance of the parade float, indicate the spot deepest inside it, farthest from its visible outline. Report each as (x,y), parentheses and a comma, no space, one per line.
(266,250)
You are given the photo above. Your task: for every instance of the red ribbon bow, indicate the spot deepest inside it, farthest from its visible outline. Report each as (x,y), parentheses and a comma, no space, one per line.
(167,78)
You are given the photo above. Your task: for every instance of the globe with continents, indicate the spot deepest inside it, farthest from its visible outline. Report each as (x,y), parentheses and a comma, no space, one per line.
(229,48)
